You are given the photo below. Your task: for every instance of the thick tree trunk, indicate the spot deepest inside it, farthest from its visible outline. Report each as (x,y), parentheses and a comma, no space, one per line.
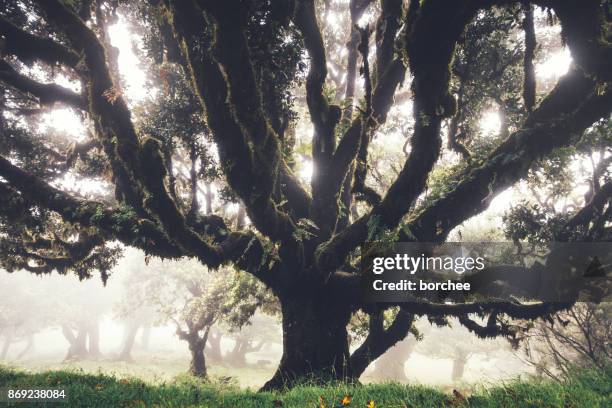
(237,356)
(197,366)
(78,343)
(242,347)
(315,343)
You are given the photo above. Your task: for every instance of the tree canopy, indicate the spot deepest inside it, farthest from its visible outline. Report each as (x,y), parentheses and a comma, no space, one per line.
(232,78)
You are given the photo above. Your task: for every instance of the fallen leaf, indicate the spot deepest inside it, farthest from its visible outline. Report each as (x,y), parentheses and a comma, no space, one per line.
(458,395)
(346,400)
(458,399)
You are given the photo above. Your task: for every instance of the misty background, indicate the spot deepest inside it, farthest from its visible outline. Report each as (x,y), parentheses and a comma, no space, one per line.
(40,313)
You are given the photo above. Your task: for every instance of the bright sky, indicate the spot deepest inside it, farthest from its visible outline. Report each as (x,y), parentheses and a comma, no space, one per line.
(556,66)
(490,122)
(129,64)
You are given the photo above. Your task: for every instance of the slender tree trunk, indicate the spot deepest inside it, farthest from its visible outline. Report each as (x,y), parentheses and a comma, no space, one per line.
(7,344)
(529,82)
(459,363)
(145,337)
(213,349)
(28,347)
(315,342)
(129,337)
(93,339)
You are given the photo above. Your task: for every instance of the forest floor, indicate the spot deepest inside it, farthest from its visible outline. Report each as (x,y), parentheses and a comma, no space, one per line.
(585,389)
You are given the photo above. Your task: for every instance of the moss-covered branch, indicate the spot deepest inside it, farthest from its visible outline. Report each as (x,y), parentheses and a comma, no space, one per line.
(430,49)
(47,94)
(106,104)
(324,117)
(249,171)
(29,47)
(121,223)
(561,118)
(244,249)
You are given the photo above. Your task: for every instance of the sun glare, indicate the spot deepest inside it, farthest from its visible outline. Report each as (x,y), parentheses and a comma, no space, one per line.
(129,63)
(556,66)
(306,170)
(63,120)
(83,186)
(490,122)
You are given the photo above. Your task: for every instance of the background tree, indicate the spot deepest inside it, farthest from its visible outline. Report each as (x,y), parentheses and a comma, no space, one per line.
(133,309)
(45,309)
(80,330)
(579,337)
(457,344)
(18,323)
(194,301)
(392,364)
(242,62)
(251,337)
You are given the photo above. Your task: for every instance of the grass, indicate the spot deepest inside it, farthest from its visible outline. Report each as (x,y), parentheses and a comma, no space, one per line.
(586,389)
(152,368)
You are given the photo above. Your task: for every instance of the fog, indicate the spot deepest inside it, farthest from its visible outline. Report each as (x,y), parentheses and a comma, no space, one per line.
(40,313)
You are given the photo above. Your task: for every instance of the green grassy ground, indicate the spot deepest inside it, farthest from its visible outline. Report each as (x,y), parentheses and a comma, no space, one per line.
(586,389)
(152,368)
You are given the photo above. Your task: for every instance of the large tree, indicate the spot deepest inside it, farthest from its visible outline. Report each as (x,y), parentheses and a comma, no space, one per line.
(243,64)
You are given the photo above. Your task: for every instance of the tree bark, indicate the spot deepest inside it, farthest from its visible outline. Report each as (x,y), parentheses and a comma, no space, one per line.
(315,342)
(197,366)
(529,80)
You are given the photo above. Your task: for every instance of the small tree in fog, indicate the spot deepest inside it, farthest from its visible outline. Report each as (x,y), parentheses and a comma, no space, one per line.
(133,308)
(193,300)
(251,337)
(459,346)
(22,315)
